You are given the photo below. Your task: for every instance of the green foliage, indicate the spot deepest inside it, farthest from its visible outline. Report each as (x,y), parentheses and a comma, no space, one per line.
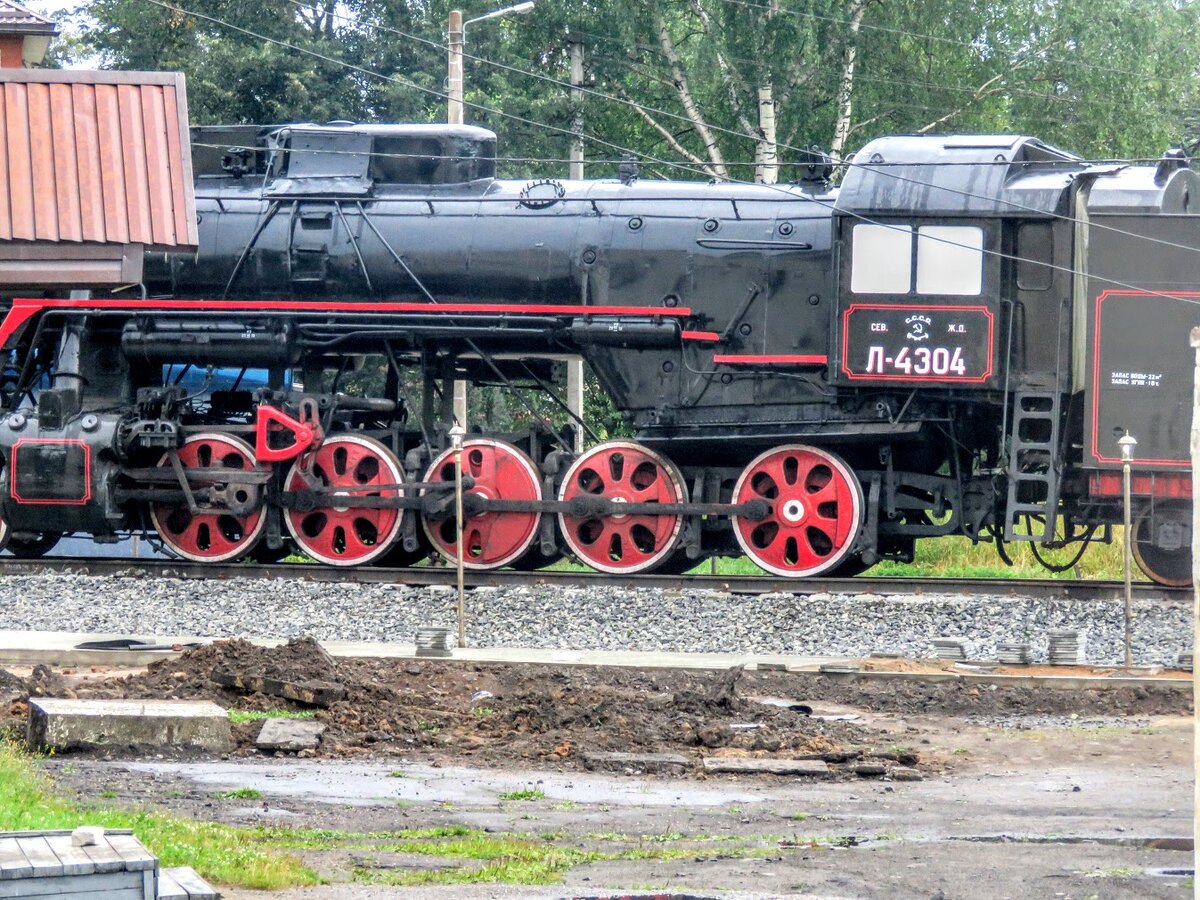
(1058,70)
(525,794)
(514,858)
(242,793)
(242,716)
(219,852)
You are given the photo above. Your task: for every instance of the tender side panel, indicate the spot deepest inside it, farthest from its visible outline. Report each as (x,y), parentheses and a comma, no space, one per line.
(1143,299)
(1140,369)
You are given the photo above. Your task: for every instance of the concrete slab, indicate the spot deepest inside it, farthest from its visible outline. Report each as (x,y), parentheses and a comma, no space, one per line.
(185,724)
(736,765)
(292,735)
(639,762)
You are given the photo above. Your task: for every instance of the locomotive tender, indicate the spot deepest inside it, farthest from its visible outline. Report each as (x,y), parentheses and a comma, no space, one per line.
(950,342)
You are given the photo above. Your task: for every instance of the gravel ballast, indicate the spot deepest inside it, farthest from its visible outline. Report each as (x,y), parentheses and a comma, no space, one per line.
(579,618)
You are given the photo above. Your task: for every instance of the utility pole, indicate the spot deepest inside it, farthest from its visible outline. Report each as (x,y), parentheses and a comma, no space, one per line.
(576,44)
(454,69)
(454,116)
(575,365)
(1195,448)
(456,34)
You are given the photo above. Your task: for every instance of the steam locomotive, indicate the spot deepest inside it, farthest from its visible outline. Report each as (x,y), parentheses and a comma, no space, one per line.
(952,341)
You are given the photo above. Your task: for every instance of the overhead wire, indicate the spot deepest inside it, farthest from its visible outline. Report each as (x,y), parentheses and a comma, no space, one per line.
(591,91)
(615,99)
(831,206)
(933,164)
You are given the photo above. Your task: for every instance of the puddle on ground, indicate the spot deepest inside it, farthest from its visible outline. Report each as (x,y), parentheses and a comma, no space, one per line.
(358,784)
(1141,843)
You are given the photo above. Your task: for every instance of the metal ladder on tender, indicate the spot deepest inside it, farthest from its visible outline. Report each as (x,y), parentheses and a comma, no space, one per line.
(1033,485)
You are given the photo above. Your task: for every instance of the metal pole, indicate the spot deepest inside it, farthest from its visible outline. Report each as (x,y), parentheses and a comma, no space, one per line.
(1127,443)
(460,403)
(575,397)
(456,441)
(575,366)
(454,116)
(1195,341)
(454,80)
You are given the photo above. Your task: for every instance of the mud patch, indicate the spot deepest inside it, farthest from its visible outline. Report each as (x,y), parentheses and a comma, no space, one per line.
(501,715)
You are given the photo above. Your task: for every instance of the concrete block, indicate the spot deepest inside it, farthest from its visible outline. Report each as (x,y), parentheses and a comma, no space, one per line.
(190,724)
(870,770)
(642,762)
(736,765)
(904,773)
(87,836)
(289,734)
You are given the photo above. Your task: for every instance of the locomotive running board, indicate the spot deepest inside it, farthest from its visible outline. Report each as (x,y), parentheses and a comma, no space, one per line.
(25,308)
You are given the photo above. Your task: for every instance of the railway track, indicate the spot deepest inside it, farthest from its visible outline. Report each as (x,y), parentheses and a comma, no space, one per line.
(738,584)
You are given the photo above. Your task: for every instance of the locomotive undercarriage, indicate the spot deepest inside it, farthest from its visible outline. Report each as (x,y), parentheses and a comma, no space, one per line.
(218,475)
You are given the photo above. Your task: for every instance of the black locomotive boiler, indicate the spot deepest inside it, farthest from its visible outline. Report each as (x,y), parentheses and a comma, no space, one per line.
(949,342)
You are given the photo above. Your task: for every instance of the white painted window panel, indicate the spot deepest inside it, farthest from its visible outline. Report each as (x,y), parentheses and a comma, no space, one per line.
(882,262)
(950,260)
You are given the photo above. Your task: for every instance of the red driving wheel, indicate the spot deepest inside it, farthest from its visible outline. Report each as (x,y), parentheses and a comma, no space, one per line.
(815,510)
(218,535)
(347,465)
(491,539)
(622,472)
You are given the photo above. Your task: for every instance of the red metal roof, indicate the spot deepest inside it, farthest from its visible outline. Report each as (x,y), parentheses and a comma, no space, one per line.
(95,157)
(16,18)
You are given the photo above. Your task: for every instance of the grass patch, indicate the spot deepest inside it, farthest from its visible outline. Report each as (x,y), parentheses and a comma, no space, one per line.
(956,557)
(526,794)
(242,794)
(220,852)
(324,838)
(242,716)
(515,859)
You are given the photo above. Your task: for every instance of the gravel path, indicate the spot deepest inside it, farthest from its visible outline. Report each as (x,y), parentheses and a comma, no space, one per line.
(585,618)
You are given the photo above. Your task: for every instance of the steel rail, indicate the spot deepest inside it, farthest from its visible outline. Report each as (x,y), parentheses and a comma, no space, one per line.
(1052,589)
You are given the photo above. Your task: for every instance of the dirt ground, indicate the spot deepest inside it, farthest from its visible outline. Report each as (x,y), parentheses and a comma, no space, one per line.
(553,716)
(972,791)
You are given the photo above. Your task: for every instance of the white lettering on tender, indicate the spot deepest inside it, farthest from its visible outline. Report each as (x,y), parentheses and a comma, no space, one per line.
(1136,379)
